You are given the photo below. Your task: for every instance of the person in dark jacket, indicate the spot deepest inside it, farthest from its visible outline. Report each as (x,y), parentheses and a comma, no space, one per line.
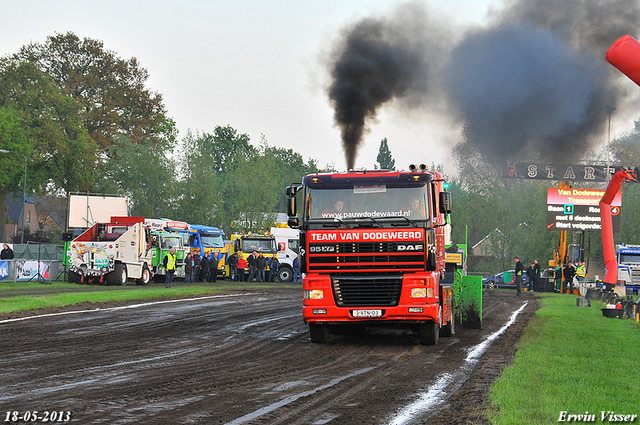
(7,253)
(197,267)
(274,265)
(531,275)
(261,263)
(252,261)
(536,275)
(213,268)
(232,262)
(204,263)
(518,276)
(568,273)
(188,268)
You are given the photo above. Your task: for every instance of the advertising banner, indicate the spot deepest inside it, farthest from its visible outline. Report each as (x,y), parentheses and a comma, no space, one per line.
(579,209)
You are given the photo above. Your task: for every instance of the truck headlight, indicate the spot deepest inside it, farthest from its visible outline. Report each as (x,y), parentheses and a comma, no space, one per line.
(313,294)
(418,292)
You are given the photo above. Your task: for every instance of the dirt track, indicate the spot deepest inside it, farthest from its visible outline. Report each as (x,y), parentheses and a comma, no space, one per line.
(244,359)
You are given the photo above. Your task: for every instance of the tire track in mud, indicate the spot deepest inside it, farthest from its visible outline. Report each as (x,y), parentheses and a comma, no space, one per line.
(215,362)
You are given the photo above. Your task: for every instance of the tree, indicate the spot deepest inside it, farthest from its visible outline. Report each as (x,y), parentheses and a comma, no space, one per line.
(43,124)
(385,160)
(144,173)
(111,90)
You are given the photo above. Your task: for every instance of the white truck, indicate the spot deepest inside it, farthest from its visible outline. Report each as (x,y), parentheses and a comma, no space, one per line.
(288,242)
(111,253)
(629,265)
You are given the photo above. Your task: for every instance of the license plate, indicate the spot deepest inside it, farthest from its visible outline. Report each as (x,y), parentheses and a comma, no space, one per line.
(366,313)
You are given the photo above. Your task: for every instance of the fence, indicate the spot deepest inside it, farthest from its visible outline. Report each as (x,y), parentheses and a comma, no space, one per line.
(41,262)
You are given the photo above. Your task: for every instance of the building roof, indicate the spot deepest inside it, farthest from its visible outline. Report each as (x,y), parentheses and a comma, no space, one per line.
(14,207)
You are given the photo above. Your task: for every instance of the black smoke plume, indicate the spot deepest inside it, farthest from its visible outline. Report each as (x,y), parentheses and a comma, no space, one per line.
(533,81)
(375,61)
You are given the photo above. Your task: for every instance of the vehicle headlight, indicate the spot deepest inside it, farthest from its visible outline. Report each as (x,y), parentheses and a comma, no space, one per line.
(313,294)
(418,292)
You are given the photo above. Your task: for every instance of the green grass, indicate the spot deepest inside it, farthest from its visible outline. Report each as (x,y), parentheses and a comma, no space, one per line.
(32,295)
(570,359)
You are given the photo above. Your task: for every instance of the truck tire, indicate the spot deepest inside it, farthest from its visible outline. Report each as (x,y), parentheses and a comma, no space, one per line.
(285,274)
(145,278)
(319,333)
(428,333)
(74,277)
(449,329)
(118,276)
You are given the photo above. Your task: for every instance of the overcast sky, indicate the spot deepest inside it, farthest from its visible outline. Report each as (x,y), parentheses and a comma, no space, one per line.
(253,65)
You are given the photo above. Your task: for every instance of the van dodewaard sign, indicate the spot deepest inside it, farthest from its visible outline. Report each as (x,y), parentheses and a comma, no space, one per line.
(578,173)
(579,209)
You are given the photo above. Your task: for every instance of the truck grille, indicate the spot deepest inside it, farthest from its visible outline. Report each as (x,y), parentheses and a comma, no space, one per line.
(385,256)
(362,291)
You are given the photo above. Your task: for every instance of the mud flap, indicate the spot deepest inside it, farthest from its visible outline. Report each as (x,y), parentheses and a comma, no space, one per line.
(470,307)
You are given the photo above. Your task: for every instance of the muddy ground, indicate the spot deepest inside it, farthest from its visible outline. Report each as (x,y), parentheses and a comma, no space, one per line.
(245,359)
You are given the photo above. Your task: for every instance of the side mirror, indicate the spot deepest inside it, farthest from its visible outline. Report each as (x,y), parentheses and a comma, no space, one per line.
(293,190)
(293,222)
(445,202)
(291,206)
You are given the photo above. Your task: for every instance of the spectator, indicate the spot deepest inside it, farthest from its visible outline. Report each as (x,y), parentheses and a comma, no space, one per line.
(296,270)
(261,263)
(188,268)
(169,267)
(274,266)
(232,262)
(213,268)
(204,263)
(536,275)
(568,273)
(518,276)
(557,275)
(7,253)
(242,265)
(530,274)
(197,267)
(581,271)
(252,260)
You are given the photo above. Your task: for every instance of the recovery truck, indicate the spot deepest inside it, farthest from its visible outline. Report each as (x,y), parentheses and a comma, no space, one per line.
(164,235)
(245,244)
(111,253)
(372,248)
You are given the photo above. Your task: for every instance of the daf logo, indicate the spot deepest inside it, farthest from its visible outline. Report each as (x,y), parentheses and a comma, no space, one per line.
(411,247)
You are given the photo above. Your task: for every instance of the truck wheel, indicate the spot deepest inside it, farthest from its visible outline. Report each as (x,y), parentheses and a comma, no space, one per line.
(285,274)
(74,277)
(319,333)
(118,276)
(449,329)
(428,333)
(145,278)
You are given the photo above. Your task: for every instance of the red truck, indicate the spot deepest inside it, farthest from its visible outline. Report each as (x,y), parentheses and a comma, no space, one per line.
(372,250)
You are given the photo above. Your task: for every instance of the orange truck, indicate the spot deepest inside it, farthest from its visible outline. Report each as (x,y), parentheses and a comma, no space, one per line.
(372,249)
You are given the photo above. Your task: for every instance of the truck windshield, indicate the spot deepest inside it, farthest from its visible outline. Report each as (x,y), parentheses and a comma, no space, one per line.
(212,241)
(171,242)
(368,202)
(259,245)
(629,258)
